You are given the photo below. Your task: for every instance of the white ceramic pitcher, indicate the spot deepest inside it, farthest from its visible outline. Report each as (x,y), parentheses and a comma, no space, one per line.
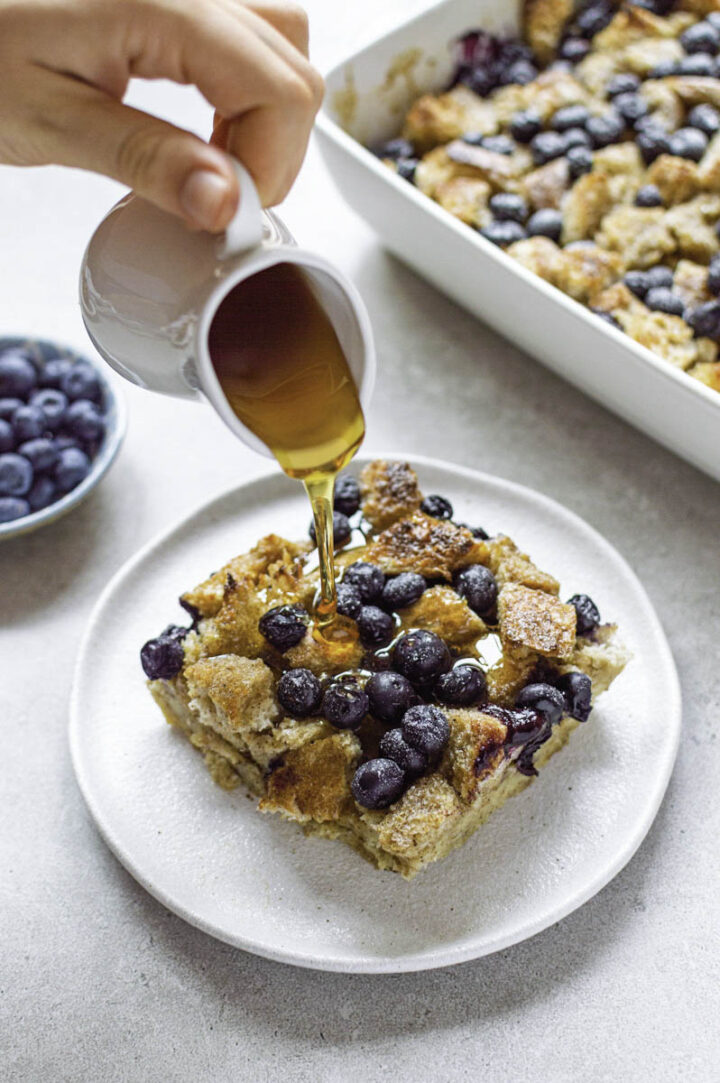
(150,287)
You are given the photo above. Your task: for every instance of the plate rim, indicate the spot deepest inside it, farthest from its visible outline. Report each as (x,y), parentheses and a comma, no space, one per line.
(434,958)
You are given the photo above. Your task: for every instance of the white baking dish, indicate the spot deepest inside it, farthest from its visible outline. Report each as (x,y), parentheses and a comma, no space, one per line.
(367,95)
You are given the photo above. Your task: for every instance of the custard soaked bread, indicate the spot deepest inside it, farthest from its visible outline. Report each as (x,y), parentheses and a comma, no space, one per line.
(459,673)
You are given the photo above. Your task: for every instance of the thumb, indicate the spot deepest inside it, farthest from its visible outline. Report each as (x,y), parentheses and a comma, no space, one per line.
(168,166)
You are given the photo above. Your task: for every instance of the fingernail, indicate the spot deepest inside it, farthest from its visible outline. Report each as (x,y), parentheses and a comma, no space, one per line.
(202,198)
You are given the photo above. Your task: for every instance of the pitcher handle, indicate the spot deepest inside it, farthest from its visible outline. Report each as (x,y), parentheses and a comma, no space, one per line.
(246,229)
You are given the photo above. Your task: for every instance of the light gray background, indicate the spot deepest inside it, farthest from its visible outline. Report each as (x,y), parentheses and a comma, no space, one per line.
(97,981)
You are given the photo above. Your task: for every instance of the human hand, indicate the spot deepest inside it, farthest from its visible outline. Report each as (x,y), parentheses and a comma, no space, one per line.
(66,65)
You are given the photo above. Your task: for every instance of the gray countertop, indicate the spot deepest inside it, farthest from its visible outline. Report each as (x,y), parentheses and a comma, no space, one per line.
(98,981)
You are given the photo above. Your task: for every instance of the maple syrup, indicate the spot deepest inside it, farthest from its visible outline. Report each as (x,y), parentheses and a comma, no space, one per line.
(283,371)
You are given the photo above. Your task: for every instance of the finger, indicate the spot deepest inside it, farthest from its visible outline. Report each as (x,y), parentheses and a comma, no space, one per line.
(290,20)
(170,167)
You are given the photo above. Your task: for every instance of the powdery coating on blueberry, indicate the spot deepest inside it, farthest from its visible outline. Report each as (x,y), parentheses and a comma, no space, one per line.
(503,233)
(648,196)
(547,145)
(576,137)
(462,686)
(13,507)
(652,142)
(577,690)
(402,590)
(16,475)
(594,17)
(546,222)
(705,320)
(606,129)
(349,602)
(8,406)
(702,64)
(73,465)
(700,38)
(344,705)
(580,161)
(623,83)
(569,116)
(376,627)
(394,746)
(81,382)
(706,118)
(28,422)
(85,420)
(42,493)
(377,783)
(406,169)
(390,695)
(52,372)
(299,692)
(509,206)
(53,405)
(341,530)
(7,436)
(426,728)
(437,506)
(588,615)
(688,143)
(574,49)
(543,698)
(476,584)
(18,375)
(421,656)
(631,107)
(637,283)
(162,658)
(368,578)
(524,126)
(347,495)
(283,626)
(661,299)
(41,453)
(394,149)
(659,276)
(713,277)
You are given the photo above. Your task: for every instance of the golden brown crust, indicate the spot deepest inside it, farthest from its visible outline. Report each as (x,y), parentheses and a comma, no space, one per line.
(442,611)
(313,782)
(434,548)
(530,618)
(473,751)
(543,25)
(389,491)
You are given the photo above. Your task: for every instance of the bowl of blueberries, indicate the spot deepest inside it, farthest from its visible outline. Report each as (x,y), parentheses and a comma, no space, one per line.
(61,426)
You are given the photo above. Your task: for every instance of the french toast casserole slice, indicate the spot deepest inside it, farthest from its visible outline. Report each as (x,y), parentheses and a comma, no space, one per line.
(461,673)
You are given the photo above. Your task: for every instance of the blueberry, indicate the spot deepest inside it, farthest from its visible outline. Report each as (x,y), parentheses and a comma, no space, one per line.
(659,277)
(700,38)
(194,612)
(595,17)
(713,17)
(498,144)
(341,530)
(53,405)
(588,616)
(28,422)
(402,590)
(606,129)
(577,691)
(18,375)
(476,584)
(73,465)
(421,656)
(284,626)
(521,72)
(705,320)
(524,724)
(16,475)
(631,107)
(637,283)
(347,495)
(574,49)
(462,686)
(394,148)
(367,578)
(437,507)
(406,169)
(175,631)
(705,118)
(344,705)
(525,126)
(13,507)
(713,276)
(42,493)
(622,83)
(83,419)
(65,440)
(503,233)
(375,626)
(663,300)
(349,602)
(473,139)
(506,206)
(482,80)
(427,729)
(576,137)
(162,658)
(702,64)
(607,317)
(81,382)
(394,746)
(580,160)
(546,222)
(378,783)
(544,699)
(657,7)
(688,143)
(41,453)
(648,196)
(52,372)
(664,69)
(570,116)
(299,692)
(547,145)
(8,406)
(7,436)
(652,142)
(390,695)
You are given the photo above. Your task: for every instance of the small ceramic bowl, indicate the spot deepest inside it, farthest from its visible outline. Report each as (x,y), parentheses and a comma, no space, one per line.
(114,411)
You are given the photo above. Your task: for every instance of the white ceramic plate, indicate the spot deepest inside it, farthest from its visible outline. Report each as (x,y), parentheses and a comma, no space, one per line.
(367,95)
(255,881)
